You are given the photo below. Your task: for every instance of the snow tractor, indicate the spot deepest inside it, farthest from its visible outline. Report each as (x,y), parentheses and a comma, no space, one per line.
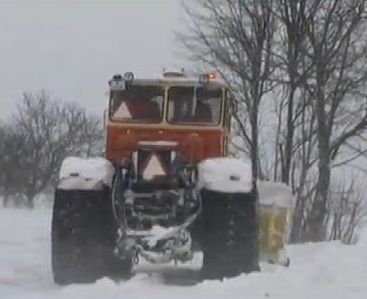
(165,189)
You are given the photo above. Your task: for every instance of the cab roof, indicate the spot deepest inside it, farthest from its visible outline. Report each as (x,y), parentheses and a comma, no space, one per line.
(175,79)
(186,81)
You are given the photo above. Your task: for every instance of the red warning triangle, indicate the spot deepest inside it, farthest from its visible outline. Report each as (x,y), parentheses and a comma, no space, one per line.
(153,167)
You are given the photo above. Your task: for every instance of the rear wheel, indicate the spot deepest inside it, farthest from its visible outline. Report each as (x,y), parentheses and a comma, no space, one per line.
(83,237)
(229,234)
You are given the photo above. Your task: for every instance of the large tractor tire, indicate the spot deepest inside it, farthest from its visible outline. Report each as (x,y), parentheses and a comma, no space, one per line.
(229,234)
(83,237)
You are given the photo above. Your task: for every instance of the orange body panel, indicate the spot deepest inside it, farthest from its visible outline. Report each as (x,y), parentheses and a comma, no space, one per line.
(194,143)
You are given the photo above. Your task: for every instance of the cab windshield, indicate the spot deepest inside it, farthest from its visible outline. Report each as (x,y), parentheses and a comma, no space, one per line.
(194,105)
(137,103)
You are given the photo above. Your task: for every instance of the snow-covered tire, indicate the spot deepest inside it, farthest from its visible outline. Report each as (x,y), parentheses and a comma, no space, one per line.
(229,234)
(83,237)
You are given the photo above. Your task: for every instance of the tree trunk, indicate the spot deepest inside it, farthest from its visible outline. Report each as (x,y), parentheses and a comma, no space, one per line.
(6,200)
(318,210)
(297,222)
(30,202)
(254,146)
(289,141)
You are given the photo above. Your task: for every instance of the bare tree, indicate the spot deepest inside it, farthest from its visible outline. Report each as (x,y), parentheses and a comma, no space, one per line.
(43,133)
(304,162)
(339,58)
(9,152)
(312,54)
(346,212)
(3,166)
(293,68)
(235,38)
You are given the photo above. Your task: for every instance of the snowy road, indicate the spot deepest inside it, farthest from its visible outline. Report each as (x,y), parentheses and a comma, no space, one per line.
(328,270)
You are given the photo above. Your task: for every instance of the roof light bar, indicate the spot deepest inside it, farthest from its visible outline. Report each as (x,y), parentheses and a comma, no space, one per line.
(205,78)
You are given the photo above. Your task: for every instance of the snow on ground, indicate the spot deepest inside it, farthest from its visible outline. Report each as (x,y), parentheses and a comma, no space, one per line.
(325,270)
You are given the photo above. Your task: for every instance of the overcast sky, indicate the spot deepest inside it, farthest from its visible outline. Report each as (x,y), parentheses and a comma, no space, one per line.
(72,48)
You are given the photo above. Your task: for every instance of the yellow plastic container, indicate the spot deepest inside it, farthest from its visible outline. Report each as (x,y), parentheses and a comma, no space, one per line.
(276,208)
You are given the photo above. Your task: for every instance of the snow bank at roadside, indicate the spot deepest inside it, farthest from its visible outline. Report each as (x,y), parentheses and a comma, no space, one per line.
(324,270)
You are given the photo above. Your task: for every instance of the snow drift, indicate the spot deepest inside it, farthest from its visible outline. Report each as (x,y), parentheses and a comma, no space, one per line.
(324,270)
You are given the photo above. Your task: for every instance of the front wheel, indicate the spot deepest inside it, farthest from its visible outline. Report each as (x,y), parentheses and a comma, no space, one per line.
(83,237)
(229,234)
